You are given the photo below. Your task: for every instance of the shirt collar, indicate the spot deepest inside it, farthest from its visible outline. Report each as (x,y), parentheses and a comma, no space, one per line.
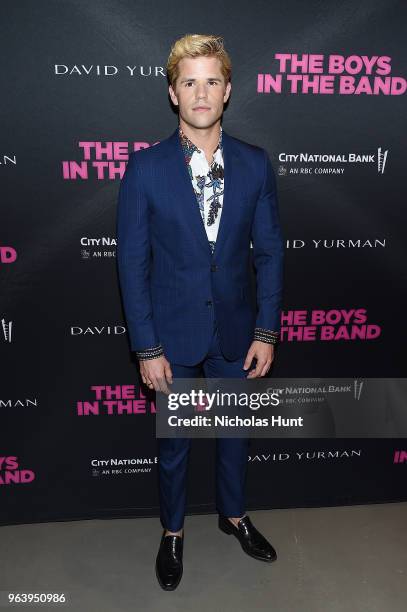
(189,147)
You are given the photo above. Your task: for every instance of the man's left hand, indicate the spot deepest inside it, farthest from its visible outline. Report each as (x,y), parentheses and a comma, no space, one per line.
(264,354)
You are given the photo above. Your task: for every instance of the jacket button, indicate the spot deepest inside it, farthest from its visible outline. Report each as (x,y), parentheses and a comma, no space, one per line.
(214,267)
(208,302)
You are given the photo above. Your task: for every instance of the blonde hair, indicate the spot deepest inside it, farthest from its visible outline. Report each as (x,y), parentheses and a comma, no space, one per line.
(195,45)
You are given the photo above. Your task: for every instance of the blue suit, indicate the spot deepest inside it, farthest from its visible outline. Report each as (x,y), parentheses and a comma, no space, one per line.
(198,305)
(169,298)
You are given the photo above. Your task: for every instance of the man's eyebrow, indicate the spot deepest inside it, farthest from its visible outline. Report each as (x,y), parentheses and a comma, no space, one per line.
(208,79)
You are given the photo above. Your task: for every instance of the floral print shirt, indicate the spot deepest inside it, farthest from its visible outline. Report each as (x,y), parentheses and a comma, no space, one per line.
(208,184)
(207,181)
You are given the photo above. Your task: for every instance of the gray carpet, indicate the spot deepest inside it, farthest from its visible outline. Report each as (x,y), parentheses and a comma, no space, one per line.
(344,559)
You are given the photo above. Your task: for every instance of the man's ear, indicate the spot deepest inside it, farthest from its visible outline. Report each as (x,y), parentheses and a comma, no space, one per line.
(227,92)
(172,95)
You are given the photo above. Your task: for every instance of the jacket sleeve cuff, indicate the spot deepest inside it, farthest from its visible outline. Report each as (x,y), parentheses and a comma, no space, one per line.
(150,353)
(266,335)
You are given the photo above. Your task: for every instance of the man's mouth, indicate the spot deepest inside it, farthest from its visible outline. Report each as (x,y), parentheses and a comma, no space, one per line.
(201,108)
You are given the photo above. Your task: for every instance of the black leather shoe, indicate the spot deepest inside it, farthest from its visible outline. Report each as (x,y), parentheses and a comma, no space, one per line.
(251,540)
(168,565)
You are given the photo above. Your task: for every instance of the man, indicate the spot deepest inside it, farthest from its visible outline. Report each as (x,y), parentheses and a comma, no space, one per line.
(189,209)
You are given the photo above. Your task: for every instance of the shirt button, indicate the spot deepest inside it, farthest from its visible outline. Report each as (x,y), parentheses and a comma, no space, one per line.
(208,302)
(214,267)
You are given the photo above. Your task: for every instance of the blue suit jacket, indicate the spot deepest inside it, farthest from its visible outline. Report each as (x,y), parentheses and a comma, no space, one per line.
(169,278)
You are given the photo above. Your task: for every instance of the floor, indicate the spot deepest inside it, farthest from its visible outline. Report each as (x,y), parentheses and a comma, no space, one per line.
(343,559)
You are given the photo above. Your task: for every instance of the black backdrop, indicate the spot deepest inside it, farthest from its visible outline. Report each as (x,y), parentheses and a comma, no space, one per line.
(76,72)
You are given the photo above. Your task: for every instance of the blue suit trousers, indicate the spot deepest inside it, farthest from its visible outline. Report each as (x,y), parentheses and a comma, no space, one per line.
(231,453)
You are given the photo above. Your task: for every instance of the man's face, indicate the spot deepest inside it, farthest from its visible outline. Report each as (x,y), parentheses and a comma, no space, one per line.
(200,91)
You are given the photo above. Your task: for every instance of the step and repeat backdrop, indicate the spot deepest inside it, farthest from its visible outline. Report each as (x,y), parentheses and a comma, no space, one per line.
(321,86)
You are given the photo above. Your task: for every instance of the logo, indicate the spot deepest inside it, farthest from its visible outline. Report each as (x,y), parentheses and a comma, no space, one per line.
(381,160)
(11,473)
(305,163)
(7,159)
(306,455)
(6,328)
(331,325)
(7,255)
(115,400)
(105,330)
(338,243)
(119,467)
(400,456)
(19,403)
(98,248)
(357,389)
(107,70)
(101,160)
(318,74)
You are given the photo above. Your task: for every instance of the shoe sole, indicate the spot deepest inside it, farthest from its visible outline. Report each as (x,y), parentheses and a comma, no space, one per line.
(231,532)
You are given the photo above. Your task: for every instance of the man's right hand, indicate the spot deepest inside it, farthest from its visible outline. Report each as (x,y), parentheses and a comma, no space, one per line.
(156,373)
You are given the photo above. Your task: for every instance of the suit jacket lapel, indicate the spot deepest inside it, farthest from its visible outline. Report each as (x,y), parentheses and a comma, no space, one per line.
(233,189)
(181,183)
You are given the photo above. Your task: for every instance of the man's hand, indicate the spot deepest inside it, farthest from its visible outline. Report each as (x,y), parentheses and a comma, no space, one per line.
(156,373)
(264,354)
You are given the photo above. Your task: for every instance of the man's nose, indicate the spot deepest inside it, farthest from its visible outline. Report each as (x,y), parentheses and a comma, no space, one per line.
(201,91)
